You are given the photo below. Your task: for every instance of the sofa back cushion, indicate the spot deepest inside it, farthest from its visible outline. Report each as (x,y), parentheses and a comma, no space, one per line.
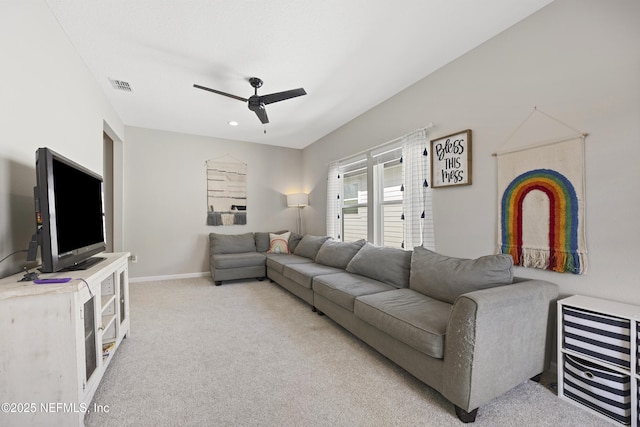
(445,278)
(232,243)
(294,239)
(388,265)
(309,246)
(334,253)
(263,240)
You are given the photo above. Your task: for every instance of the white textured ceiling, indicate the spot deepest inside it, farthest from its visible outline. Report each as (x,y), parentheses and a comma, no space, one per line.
(349,55)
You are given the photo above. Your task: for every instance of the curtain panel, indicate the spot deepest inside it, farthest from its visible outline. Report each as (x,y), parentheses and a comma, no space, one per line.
(417,206)
(334,204)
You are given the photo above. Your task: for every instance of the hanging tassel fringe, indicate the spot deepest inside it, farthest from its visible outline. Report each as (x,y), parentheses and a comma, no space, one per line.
(554,260)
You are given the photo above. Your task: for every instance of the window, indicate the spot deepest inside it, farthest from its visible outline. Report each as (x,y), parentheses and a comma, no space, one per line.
(352,206)
(386,200)
(384,170)
(382,195)
(389,177)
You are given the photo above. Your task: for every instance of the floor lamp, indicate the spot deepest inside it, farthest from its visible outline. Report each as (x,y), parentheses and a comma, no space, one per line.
(298,200)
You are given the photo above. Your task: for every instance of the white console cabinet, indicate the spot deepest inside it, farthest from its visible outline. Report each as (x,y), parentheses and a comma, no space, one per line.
(56,340)
(598,357)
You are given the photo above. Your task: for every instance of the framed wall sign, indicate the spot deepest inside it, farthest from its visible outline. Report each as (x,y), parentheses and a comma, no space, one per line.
(451,160)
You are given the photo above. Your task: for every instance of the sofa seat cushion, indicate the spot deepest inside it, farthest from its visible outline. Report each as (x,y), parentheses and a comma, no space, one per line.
(277,262)
(411,317)
(247,259)
(343,288)
(303,273)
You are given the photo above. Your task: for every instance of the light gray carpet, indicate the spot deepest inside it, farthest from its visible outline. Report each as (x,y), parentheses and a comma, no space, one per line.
(248,353)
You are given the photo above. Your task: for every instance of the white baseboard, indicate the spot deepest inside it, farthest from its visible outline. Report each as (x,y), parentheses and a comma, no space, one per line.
(168,277)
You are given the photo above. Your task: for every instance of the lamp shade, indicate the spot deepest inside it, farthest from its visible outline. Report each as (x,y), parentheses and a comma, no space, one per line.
(297,200)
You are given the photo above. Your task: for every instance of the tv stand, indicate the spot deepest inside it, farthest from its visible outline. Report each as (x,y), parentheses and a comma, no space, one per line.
(58,340)
(84,265)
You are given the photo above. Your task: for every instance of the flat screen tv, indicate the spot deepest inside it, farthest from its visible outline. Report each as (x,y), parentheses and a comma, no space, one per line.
(69,213)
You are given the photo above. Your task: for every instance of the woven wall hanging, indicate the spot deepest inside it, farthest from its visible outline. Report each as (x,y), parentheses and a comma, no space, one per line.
(541,205)
(226,193)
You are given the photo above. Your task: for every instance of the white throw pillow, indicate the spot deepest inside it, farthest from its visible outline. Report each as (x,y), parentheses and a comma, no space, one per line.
(279,243)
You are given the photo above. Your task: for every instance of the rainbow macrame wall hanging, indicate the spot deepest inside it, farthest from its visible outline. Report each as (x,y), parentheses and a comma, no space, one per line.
(541,206)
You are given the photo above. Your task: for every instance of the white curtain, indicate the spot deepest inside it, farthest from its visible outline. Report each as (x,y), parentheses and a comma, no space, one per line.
(417,207)
(334,202)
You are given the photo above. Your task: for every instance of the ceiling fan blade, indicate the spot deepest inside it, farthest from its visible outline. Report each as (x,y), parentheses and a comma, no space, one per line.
(262,115)
(239,98)
(281,96)
(257,106)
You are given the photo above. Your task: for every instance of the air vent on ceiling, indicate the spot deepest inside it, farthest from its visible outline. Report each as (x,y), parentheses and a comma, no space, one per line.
(121,85)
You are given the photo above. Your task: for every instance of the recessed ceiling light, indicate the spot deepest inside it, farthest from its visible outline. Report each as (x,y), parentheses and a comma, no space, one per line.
(233,123)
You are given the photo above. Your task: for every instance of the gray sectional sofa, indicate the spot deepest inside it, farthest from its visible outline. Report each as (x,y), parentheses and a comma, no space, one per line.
(467,328)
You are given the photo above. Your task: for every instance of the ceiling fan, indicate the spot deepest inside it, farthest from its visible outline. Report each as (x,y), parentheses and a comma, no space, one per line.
(257,102)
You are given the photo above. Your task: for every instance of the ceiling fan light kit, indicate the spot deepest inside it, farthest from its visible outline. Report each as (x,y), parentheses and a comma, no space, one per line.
(257,103)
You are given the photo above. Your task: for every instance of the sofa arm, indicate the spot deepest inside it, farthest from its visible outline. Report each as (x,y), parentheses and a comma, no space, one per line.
(496,339)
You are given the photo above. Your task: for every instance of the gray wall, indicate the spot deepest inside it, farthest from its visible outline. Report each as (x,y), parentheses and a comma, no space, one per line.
(577,60)
(165,196)
(47,98)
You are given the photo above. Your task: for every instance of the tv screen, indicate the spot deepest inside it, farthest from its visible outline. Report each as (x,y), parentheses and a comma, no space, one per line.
(69,212)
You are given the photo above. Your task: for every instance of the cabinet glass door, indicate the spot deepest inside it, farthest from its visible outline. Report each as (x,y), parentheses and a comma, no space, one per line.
(123,279)
(90,356)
